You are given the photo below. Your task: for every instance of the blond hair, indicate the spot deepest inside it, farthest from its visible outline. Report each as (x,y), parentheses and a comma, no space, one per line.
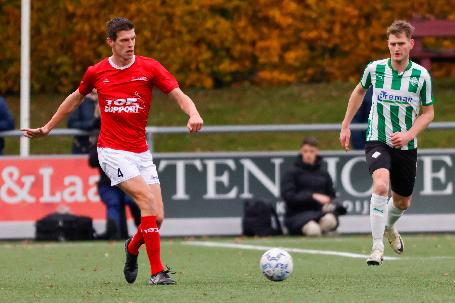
(399,27)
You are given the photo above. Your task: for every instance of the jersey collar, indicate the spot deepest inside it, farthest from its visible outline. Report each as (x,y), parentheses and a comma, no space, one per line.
(394,71)
(121,67)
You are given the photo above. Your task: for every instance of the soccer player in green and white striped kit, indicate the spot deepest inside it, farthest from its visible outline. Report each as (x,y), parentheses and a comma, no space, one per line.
(402,107)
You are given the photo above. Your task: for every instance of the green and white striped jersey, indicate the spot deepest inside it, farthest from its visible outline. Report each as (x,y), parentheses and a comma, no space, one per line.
(396,99)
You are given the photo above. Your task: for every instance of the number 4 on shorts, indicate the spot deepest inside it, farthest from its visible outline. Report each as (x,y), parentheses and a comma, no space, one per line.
(119,173)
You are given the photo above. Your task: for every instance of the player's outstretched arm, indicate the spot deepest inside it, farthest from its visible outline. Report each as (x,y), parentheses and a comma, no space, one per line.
(67,107)
(355,100)
(195,121)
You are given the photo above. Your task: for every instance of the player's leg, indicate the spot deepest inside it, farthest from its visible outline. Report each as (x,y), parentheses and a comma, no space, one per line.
(151,220)
(378,160)
(134,209)
(122,170)
(396,207)
(378,214)
(402,181)
(148,198)
(159,276)
(135,185)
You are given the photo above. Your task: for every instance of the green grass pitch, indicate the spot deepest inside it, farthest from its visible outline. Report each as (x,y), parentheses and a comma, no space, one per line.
(92,272)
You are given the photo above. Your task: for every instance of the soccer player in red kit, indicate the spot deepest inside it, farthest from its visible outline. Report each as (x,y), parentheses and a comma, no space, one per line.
(124,83)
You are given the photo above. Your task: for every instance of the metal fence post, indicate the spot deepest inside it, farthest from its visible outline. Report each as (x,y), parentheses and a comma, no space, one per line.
(150,139)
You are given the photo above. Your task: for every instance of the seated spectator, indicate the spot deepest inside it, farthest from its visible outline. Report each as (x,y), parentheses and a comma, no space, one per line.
(308,192)
(358,137)
(83,118)
(6,121)
(115,201)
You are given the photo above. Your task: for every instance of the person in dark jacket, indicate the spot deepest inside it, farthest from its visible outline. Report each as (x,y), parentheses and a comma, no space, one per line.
(84,118)
(6,121)
(115,200)
(359,137)
(308,192)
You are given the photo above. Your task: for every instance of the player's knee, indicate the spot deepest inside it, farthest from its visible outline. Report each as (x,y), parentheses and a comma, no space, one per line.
(150,205)
(311,229)
(402,204)
(144,200)
(381,187)
(328,222)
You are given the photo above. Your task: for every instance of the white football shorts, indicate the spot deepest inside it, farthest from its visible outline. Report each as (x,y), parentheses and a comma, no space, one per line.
(120,165)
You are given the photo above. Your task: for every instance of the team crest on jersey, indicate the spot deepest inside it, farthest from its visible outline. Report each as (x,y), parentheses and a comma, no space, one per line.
(414,81)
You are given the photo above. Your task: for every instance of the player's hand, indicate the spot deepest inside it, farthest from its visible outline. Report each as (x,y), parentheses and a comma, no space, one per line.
(321,198)
(400,139)
(35,132)
(345,138)
(195,123)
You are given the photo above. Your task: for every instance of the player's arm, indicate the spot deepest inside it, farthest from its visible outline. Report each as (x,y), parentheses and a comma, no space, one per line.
(195,121)
(355,101)
(64,110)
(402,139)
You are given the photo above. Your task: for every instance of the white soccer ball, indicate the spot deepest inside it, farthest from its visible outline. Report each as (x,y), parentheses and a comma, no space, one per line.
(276,264)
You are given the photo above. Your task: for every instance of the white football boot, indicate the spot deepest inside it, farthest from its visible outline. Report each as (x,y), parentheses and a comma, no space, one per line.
(376,257)
(395,240)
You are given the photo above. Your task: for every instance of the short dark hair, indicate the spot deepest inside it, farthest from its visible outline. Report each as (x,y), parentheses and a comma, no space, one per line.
(117,24)
(312,141)
(399,27)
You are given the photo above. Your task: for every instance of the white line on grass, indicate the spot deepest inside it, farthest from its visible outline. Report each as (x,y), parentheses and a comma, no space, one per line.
(294,250)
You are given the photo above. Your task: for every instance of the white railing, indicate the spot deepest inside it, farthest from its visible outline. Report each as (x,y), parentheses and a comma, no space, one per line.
(231,129)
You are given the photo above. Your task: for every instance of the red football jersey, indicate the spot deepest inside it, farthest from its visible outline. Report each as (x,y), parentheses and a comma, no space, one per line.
(124,98)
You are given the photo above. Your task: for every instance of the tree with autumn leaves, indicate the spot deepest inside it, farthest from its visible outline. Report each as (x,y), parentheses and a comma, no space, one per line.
(212,43)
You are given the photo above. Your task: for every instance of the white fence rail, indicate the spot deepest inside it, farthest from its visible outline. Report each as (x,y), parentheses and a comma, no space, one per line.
(232,129)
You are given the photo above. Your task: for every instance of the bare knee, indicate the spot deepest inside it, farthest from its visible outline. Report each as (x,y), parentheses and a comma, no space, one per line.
(381,187)
(402,203)
(149,204)
(381,182)
(311,229)
(144,200)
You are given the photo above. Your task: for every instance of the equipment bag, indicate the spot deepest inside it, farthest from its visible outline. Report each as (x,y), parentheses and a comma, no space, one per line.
(64,227)
(260,219)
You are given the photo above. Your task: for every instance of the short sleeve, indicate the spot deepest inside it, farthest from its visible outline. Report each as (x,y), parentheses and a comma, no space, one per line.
(365,81)
(426,97)
(163,79)
(87,83)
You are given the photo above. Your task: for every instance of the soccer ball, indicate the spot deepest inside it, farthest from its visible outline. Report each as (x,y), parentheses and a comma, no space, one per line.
(276,264)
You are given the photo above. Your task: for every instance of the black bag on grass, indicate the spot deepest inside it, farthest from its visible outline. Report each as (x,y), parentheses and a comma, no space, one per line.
(260,219)
(64,227)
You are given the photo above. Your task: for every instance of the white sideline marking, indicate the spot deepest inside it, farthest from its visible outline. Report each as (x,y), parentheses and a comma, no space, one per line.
(295,250)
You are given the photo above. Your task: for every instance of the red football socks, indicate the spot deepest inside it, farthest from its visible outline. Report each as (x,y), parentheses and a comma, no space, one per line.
(136,242)
(151,237)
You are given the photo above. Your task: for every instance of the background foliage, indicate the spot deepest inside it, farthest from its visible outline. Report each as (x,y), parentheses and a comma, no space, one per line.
(211,43)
